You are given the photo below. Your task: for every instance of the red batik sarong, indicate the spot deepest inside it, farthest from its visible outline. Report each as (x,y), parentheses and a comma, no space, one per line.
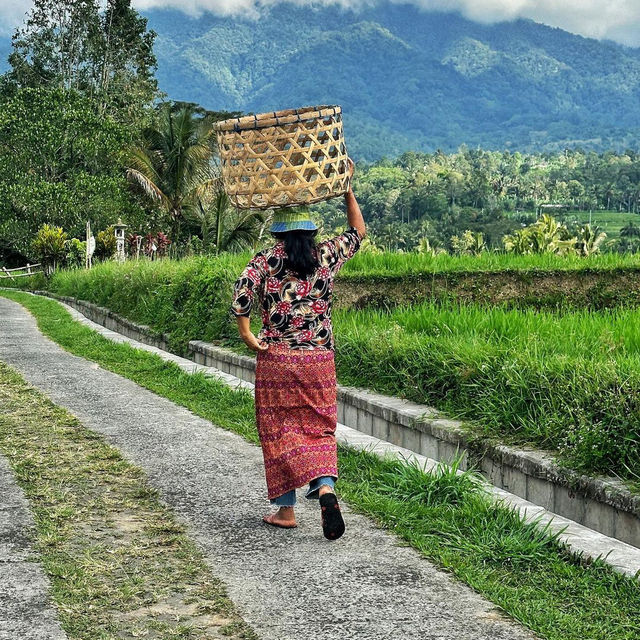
(296,415)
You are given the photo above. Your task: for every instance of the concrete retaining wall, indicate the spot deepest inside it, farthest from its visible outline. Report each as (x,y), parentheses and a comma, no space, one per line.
(602,504)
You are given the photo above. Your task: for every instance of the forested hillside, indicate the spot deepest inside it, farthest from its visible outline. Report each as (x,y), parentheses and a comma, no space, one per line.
(410,79)
(105,147)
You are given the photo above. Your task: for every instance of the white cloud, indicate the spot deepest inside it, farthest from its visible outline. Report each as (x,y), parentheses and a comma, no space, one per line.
(614,19)
(237,7)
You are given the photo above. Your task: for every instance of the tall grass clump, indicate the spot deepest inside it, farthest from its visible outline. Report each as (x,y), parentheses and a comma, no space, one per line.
(569,382)
(188,299)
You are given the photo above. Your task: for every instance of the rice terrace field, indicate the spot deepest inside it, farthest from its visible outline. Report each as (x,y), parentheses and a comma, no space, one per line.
(566,380)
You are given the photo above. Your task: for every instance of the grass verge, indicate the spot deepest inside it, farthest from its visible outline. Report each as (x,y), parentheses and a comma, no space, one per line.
(566,381)
(447,518)
(120,564)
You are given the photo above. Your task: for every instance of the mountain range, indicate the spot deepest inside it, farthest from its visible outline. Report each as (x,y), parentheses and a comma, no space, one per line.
(408,79)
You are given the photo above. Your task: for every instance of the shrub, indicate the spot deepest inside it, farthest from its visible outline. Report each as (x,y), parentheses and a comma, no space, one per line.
(76,253)
(50,247)
(106,244)
(188,299)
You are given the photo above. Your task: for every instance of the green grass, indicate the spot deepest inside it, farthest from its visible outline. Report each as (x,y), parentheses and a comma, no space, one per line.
(401,264)
(569,382)
(611,222)
(447,518)
(565,381)
(120,564)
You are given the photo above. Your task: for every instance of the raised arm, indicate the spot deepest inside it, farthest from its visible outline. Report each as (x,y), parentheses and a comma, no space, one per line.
(354,215)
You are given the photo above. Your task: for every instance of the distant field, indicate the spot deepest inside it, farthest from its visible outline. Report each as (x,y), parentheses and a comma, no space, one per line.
(610,221)
(390,263)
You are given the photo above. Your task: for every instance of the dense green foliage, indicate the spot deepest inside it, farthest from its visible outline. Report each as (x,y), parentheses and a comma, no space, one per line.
(173,165)
(563,381)
(568,380)
(79,88)
(408,79)
(438,196)
(189,298)
(103,50)
(58,165)
(77,117)
(443,515)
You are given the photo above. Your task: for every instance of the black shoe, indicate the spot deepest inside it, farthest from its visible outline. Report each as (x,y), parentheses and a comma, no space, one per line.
(332,522)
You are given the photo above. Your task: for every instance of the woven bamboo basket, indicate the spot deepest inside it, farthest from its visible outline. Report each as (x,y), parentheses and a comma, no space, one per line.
(284,158)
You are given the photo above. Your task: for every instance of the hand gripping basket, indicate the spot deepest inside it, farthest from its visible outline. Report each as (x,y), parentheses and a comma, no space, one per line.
(284,158)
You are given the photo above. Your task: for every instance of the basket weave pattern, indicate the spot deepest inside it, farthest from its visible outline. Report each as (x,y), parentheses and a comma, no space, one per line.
(284,158)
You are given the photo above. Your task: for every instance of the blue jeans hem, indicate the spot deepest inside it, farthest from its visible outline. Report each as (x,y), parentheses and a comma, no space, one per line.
(288,499)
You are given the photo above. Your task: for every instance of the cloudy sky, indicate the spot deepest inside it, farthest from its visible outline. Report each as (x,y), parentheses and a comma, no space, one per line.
(617,20)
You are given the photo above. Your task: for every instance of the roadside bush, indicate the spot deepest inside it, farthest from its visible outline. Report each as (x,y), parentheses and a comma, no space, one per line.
(76,253)
(50,247)
(106,244)
(188,299)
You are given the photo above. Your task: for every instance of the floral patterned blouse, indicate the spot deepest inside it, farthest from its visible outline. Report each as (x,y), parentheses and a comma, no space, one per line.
(295,312)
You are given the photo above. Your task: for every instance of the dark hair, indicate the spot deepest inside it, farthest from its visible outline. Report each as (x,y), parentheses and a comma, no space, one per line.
(298,245)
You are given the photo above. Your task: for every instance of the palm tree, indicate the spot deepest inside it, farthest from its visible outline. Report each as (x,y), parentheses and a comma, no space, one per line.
(546,235)
(173,162)
(630,230)
(221,226)
(590,240)
(424,246)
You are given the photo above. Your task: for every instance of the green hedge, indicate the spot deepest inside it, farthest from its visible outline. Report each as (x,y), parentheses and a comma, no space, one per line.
(566,381)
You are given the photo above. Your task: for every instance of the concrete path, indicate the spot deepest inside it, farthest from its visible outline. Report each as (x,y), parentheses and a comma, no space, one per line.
(287,584)
(25,609)
(588,543)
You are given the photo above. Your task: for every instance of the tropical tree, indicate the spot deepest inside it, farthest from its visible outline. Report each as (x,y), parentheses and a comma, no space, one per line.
(106,55)
(425,247)
(369,245)
(469,243)
(589,240)
(173,162)
(544,236)
(630,230)
(50,247)
(223,228)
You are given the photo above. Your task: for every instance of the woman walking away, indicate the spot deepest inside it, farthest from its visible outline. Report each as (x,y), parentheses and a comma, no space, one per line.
(295,389)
